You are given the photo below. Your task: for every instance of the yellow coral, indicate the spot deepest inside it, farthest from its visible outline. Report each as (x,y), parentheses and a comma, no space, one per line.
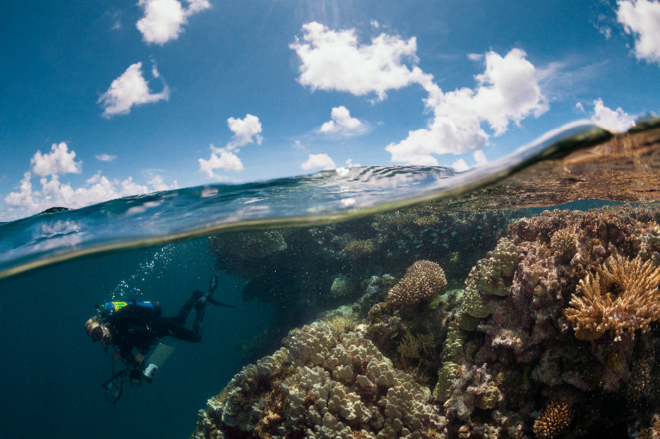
(622,295)
(424,280)
(554,419)
(564,243)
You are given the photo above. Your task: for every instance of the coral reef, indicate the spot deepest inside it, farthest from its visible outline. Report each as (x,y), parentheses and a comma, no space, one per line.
(548,329)
(424,280)
(359,249)
(554,419)
(622,296)
(326,385)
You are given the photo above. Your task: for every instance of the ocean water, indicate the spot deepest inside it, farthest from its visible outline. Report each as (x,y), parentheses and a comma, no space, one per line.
(289,251)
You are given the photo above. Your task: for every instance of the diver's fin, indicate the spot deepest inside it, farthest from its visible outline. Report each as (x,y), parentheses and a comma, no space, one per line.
(213,283)
(215,302)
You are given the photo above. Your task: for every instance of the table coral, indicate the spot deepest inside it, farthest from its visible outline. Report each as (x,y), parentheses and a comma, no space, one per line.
(423,281)
(622,296)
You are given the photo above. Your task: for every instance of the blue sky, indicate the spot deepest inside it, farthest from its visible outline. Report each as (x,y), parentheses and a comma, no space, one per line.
(111,98)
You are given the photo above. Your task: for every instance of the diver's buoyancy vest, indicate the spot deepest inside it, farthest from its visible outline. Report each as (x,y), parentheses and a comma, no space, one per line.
(146,311)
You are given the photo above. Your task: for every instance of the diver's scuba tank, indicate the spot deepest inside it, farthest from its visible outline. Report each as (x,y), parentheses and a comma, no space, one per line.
(149,373)
(143,310)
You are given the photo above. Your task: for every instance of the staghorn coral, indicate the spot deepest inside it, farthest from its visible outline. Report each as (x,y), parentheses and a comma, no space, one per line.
(412,345)
(424,280)
(555,418)
(340,323)
(622,296)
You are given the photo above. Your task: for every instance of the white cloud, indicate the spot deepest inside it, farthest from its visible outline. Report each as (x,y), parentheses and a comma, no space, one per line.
(105,157)
(27,200)
(158,184)
(342,123)
(245,131)
(334,60)
(54,193)
(480,158)
(507,92)
(460,165)
(221,158)
(375,24)
(615,121)
(128,90)
(318,161)
(58,161)
(164,19)
(642,18)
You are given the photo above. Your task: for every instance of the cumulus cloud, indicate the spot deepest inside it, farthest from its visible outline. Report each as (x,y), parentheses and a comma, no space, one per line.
(318,161)
(58,161)
(164,19)
(506,92)
(342,123)
(105,157)
(51,191)
(642,19)
(460,165)
(221,158)
(615,121)
(128,90)
(158,184)
(335,60)
(480,158)
(246,131)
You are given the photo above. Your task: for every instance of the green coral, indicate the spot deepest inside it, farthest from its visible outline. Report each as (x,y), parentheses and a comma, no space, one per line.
(446,375)
(492,271)
(490,399)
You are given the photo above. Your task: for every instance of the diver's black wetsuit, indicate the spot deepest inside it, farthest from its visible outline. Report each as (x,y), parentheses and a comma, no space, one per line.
(131,331)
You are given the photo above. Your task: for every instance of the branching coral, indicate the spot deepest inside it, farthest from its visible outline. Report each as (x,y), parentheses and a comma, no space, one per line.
(412,345)
(622,296)
(554,419)
(424,280)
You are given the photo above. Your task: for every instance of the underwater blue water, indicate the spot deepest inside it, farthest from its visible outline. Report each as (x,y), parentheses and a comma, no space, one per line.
(52,373)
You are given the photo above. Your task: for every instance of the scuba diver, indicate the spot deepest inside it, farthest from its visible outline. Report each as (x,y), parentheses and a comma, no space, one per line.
(133,328)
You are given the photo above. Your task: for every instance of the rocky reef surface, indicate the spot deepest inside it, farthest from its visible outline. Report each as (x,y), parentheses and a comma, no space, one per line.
(541,326)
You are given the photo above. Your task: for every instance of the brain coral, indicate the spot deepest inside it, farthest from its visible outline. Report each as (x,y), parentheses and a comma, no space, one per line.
(424,280)
(329,386)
